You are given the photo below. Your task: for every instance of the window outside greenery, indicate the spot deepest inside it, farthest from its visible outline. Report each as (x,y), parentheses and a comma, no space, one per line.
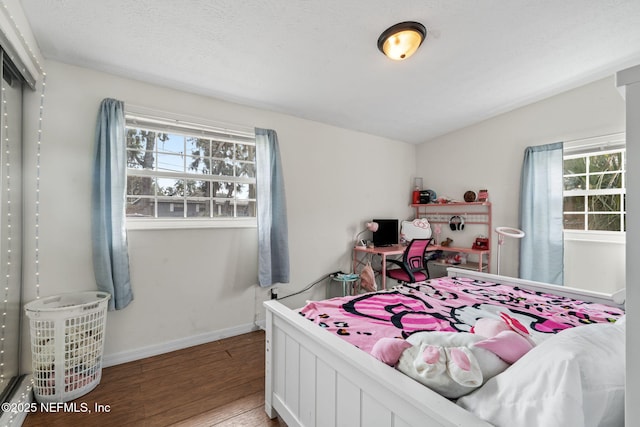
(185,175)
(594,191)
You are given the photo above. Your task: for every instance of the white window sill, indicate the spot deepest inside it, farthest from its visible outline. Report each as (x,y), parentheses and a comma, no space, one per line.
(595,236)
(191,223)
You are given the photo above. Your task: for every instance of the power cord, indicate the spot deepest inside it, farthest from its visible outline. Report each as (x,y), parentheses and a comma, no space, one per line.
(274,292)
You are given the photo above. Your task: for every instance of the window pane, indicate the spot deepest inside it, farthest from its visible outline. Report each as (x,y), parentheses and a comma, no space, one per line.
(224,189)
(573,222)
(244,169)
(140,186)
(604,203)
(140,159)
(575,182)
(198,146)
(604,222)
(605,162)
(223,208)
(170,208)
(197,188)
(246,208)
(168,143)
(138,139)
(140,148)
(606,180)
(170,187)
(170,162)
(222,150)
(246,152)
(574,204)
(198,165)
(222,167)
(245,191)
(197,209)
(143,207)
(575,166)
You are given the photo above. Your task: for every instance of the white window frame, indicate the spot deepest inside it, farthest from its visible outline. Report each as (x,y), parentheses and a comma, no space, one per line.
(596,146)
(148,119)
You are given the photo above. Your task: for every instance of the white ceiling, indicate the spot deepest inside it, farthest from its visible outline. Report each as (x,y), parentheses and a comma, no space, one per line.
(318,59)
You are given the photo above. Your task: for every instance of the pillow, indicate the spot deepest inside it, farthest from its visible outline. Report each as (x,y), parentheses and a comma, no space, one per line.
(448,362)
(574,378)
(507,345)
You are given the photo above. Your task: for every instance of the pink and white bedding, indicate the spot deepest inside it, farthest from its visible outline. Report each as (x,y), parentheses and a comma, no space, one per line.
(450,304)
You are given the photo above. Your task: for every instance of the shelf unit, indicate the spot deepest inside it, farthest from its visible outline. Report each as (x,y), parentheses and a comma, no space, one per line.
(472,213)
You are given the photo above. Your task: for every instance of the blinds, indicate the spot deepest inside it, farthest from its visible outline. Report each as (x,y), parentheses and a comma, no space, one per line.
(187,127)
(17,65)
(614,141)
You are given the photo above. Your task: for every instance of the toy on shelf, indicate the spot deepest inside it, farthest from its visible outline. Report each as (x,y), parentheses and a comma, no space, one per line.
(447,242)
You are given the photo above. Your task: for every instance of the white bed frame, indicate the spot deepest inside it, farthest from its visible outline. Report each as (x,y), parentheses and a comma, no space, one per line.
(314,378)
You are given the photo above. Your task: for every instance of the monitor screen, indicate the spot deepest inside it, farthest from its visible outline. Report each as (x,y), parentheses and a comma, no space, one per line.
(387,233)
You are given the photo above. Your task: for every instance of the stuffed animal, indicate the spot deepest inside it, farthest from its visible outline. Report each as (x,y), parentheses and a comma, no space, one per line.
(456,363)
(447,242)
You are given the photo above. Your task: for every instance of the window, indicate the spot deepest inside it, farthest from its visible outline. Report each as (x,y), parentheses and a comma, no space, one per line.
(190,172)
(594,188)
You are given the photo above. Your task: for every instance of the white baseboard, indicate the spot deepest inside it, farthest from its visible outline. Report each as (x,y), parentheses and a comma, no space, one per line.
(179,344)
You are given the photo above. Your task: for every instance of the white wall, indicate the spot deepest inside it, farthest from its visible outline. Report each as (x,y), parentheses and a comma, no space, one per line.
(195,284)
(489,155)
(595,265)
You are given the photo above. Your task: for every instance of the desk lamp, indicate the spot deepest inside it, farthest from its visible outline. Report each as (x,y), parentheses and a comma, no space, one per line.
(371,226)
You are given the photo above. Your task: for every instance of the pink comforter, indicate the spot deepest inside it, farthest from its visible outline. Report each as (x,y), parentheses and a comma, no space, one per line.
(449,304)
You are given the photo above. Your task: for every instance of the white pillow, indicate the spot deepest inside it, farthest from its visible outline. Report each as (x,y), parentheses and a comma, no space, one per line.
(575,378)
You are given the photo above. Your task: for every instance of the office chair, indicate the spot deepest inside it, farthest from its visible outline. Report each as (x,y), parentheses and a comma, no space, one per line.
(413,266)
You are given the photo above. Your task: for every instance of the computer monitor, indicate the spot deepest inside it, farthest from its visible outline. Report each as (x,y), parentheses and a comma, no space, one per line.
(387,233)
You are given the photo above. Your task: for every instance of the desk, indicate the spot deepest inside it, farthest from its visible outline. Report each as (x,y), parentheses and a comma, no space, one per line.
(479,266)
(360,255)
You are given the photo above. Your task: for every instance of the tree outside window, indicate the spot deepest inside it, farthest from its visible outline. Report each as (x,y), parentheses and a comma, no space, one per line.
(187,175)
(594,191)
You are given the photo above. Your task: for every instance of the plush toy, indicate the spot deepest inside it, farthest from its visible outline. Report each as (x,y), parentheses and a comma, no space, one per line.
(447,242)
(456,363)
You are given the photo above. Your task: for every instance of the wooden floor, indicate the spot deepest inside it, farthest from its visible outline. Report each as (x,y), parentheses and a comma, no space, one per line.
(215,384)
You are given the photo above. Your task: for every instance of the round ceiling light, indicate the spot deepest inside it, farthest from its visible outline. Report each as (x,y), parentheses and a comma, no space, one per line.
(400,41)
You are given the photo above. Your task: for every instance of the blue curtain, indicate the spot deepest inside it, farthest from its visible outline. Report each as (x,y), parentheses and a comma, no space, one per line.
(273,235)
(109,235)
(541,204)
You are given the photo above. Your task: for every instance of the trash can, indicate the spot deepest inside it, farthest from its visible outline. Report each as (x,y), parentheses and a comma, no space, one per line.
(67,342)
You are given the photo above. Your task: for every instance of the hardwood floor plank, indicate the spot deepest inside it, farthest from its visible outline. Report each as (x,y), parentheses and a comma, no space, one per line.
(229,411)
(218,383)
(214,402)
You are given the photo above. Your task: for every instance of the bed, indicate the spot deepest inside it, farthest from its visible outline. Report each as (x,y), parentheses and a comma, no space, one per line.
(326,376)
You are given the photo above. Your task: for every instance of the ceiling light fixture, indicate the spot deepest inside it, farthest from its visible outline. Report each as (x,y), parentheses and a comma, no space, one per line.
(400,41)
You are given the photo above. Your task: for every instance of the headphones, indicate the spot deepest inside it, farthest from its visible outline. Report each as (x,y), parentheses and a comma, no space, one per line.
(456,222)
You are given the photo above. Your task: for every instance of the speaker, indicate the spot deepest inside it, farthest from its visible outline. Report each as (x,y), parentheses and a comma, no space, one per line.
(427,196)
(456,223)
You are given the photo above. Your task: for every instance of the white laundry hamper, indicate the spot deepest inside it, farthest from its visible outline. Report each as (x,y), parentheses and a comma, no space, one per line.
(67,342)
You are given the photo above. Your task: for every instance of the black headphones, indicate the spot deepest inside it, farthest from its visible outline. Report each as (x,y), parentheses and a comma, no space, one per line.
(456,222)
